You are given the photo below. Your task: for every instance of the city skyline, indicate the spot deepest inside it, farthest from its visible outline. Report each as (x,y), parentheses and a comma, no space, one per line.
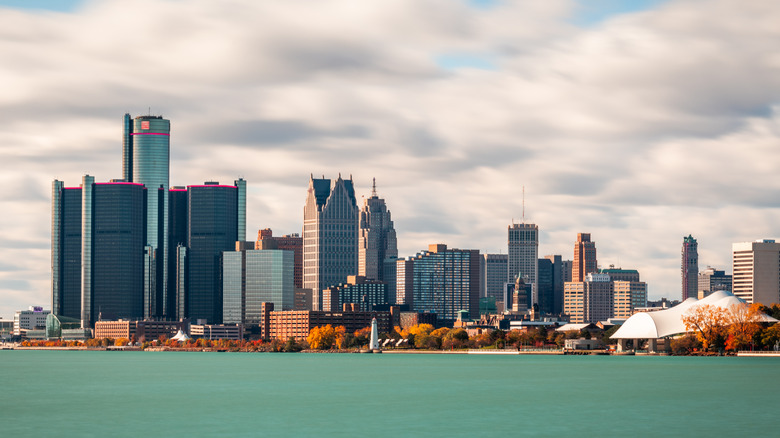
(636,125)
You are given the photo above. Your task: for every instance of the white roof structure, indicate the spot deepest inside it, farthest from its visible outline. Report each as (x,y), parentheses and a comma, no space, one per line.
(662,323)
(572,326)
(181,336)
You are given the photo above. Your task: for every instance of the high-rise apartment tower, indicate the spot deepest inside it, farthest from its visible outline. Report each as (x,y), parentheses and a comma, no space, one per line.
(690,268)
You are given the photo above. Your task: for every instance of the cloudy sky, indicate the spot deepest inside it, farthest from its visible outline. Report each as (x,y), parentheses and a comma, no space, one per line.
(638,121)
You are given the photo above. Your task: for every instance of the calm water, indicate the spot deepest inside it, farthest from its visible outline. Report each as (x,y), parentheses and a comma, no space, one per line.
(117,394)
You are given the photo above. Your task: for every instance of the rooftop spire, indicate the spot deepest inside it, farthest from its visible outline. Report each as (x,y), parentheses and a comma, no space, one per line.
(373,189)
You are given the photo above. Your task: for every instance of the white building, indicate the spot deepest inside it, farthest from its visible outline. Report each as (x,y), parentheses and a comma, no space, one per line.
(29,319)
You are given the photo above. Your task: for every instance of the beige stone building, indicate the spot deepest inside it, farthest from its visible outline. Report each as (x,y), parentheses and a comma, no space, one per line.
(756,266)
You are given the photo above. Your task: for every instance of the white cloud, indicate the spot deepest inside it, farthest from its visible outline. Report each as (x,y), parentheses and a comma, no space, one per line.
(641,129)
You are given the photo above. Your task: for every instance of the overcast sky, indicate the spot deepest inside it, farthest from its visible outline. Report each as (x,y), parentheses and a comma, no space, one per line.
(639,122)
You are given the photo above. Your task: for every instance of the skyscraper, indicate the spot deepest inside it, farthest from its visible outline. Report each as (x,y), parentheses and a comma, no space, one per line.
(440,280)
(561,273)
(584,258)
(146,160)
(590,300)
(690,268)
(251,277)
(756,277)
(377,241)
(290,242)
(523,255)
(330,235)
(66,250)
(98,246)
(213,227)
(493,269)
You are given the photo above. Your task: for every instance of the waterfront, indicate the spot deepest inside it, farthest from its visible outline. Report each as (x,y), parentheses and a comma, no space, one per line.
(75,393)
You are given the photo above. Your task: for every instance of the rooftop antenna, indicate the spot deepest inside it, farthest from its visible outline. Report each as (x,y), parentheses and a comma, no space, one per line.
(523,203)
(373,189)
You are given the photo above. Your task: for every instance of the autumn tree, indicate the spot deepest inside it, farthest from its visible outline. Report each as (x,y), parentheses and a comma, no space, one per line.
(743,321)
(708,322)
(322,338)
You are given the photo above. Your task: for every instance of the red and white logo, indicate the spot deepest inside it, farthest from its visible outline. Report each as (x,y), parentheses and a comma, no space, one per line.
(145,125)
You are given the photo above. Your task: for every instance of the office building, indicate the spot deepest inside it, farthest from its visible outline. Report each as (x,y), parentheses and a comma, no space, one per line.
(377,244)
(111,251)
(330,235)
(146,160)
(523,254)
(712,280)
(178,216)
(251,277)
(619,274)
(297,324)
(628,296)
(544,286)
(33,318)
(212,228)
(561,273)
(364,292)
(584,262)
(441,280)
(590,300)
(289,242)
(493,275)
(66,250)
(756,271)
(690,268)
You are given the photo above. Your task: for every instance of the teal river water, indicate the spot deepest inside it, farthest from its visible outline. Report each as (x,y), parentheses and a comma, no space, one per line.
(172,394)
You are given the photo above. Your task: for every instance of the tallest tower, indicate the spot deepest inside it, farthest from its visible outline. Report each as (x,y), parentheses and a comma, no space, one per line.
(146,160)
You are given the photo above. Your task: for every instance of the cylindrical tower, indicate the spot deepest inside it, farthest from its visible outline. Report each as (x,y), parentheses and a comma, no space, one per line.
(151,167)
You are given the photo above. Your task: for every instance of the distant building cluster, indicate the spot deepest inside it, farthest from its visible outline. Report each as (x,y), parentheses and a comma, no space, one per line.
(136,249)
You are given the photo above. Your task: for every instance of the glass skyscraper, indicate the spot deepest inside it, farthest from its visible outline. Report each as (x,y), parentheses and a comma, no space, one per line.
(440,280)
(212,227)
(146,160)
(98,241)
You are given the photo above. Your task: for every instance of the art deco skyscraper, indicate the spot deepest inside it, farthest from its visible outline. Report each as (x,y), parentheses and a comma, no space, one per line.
(523,255)
(146,160)
(584,258)
(330,235)
(377,241)
(690,268)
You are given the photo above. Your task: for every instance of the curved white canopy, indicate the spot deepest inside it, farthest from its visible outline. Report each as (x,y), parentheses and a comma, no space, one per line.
(181,336)
(652,325)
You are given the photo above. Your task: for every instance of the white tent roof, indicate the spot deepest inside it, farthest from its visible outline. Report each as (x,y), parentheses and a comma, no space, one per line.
(652,325)
(181,336)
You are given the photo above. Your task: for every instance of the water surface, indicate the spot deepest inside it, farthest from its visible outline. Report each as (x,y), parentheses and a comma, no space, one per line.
(139,394)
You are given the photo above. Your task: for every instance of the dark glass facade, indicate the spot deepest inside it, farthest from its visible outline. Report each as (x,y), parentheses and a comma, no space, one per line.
(212,228)
(177,235)
(546,299)
(146,160)
(118,216)
(66,250)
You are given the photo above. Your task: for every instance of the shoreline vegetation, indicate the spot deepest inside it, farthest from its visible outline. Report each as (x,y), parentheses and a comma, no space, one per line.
(719,339)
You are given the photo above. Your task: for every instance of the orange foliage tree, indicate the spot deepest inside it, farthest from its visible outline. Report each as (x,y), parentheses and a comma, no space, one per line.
(743,321)
(708,322)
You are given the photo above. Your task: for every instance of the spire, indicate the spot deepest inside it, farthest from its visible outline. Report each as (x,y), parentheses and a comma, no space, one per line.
(373,189)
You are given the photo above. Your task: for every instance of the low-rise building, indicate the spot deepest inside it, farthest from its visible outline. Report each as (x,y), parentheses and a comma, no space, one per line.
(297,324)
(32,319)
(232,332)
